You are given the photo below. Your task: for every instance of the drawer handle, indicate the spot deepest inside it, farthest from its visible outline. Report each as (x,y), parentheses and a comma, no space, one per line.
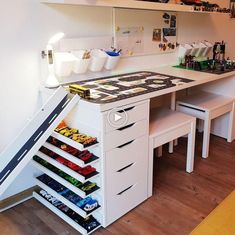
(125,190)
(125,110)
(189,107)
(124,168)
(125,127)
(123,145)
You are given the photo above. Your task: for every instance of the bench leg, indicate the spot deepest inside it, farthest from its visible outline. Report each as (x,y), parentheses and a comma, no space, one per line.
(175,142)
(159,151)
(206,136)
(230,125)
(150,168)
(191,148)
(171,147)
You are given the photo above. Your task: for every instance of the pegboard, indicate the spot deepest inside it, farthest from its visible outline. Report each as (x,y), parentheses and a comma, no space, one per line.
(141,32)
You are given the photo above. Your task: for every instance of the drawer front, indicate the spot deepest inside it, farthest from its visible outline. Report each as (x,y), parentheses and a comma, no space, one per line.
(123,135)
(116,181)
(135,112)
(133,151)
(120,203)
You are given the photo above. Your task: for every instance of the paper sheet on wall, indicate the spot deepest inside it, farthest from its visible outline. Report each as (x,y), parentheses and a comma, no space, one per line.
(130,40)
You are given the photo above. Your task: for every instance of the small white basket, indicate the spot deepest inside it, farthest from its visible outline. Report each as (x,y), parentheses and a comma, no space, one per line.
(202,48)
(112,60)
(195,49)
(64,63)
(98,59)
(80,65)
(184,49)
(208,48)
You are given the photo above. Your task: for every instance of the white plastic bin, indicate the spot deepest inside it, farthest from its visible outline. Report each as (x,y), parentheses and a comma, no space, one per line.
(112,60)
(80,65)
(208,49)
(184,49)
(202,48)
(98,59)
(195,49)
(64,63)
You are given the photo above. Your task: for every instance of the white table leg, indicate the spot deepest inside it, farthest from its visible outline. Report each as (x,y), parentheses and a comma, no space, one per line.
(191,148)
(230,125)
(206,136)
(150,168)
(173,107)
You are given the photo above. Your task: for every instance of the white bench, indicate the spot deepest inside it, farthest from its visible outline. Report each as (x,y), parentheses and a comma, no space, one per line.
(207,106)
(165,126)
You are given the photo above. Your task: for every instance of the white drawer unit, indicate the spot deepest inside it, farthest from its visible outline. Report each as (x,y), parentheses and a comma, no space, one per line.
(128,153)
(135,112)
(124,134)
(63,171)
(120,159)
(126,199)
(126,162)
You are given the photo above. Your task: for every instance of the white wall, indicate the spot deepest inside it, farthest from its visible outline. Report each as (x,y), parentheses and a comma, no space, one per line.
(26,26)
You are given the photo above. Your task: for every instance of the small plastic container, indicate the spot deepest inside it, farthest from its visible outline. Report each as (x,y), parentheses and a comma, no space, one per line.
(80,64)
(208,48)
(195,49)
(202,48)
(98,59)
(184,49)
(112,60)
(64,63)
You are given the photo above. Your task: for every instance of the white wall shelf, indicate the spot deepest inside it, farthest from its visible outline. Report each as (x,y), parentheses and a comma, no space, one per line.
(69,156)
(71,205)
(130,4)
(66,169)
(59,179)
(71,142)
(62,215)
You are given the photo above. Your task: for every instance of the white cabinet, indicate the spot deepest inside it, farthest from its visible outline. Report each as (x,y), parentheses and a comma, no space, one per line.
(65,189)
(126,159)
(120,158)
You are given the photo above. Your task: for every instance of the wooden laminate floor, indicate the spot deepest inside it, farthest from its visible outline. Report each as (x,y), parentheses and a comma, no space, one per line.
(179,203)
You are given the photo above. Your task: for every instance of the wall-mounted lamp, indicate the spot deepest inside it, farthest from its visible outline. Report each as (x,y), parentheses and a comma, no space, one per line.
(51,81)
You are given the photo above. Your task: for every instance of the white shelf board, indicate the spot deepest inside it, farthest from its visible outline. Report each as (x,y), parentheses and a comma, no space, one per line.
(72,142)
(61,180)
(67,155)
(64,168)
(61,214)
(64,200)
(131,4)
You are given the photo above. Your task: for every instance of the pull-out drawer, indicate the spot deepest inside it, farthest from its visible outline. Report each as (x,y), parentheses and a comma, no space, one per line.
(135,112)
(118,180)
(126,199)
(122,156)
(125,134)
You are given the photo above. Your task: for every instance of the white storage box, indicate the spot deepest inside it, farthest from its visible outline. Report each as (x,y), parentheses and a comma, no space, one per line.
(184,49)
(202,48)
(208,49)
(195,49)
(80,64)
(98,59)
(112,60)
(64,63)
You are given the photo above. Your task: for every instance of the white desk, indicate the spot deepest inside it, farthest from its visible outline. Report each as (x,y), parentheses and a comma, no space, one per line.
(134,140)
(123,150)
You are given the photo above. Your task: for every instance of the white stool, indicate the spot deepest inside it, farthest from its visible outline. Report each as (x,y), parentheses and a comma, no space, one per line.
(165,126)
(207,106)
